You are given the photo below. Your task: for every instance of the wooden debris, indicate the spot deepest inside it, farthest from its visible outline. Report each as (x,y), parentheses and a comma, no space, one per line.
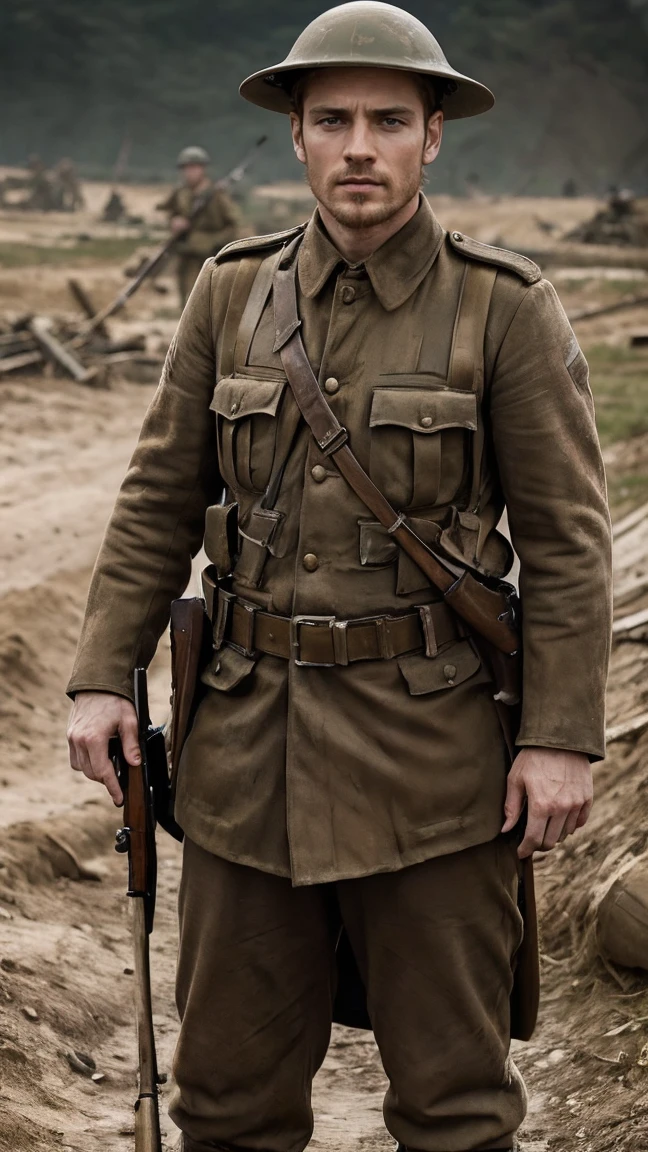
(608,309)
(84,300)
(54,350)
(626,624)
(628,728)
(626,523)
(23,360)
(84,350)
(639,339)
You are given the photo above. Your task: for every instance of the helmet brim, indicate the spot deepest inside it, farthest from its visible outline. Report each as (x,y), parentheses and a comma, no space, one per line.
(267,89)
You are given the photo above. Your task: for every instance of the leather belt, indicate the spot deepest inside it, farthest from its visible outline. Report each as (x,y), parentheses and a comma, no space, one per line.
(326,641)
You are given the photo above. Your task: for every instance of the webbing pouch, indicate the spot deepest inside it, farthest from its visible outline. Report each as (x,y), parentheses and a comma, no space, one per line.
(256,541)
(221,537)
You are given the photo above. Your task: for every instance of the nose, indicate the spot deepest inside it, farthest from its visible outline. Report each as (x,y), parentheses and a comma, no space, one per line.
(359,145)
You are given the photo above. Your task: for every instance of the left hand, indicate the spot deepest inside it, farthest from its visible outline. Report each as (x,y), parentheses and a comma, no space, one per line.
(179,224)
(558,789)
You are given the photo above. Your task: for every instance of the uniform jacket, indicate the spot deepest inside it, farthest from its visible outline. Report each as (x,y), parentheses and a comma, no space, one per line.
(330,773)
(217,224)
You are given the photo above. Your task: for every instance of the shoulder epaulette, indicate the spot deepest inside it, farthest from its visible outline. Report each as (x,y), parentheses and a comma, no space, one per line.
(512,261)
(251,244)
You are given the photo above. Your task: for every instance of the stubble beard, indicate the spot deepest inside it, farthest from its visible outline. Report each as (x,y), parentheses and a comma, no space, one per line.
(356,211)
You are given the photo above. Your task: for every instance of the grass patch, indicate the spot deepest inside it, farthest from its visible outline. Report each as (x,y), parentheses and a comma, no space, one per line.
(104,249)
(619,378)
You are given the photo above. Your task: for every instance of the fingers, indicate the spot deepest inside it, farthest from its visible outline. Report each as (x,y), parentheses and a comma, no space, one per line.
(534,833)
(100,768)
(553,832)
(514,803)
(129,736)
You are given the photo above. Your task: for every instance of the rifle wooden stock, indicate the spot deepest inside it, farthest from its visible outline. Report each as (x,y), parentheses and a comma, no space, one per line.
(137,837)
(188,636)
(147,1118)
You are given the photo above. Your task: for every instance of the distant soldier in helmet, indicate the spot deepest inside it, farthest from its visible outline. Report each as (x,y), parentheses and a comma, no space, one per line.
(217,222)
(359,786)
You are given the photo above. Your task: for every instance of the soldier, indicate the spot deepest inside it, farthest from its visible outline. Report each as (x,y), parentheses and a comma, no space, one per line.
(66,188)
(346,764)
(216,224)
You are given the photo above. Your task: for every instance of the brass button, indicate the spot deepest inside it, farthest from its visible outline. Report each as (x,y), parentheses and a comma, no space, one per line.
(450,673)
(318,473)
(235,407)
(331,385)
(457,237)
(348,294)
(426,422)
(310,562)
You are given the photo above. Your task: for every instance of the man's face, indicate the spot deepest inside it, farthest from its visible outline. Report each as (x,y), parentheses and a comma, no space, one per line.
(193,174)
(364,139)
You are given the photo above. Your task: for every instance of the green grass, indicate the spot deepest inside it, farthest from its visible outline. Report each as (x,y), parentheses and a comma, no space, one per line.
(619,378)
(96,249)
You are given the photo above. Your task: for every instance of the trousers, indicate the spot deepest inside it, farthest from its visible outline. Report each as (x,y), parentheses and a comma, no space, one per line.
(435,946)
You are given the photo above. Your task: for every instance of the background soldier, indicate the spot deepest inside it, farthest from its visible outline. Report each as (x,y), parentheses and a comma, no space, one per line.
(66,187)
(346,764)
(215,225)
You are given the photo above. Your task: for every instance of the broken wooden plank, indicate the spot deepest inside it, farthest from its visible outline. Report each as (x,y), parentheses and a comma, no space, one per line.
(626,624)
(630,521)
(54,350)
(85,302)
(23,360)
(608,309)
(628,728)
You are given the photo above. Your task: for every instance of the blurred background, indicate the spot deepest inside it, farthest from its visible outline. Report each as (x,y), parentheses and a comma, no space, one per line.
(98,99)
(79,78)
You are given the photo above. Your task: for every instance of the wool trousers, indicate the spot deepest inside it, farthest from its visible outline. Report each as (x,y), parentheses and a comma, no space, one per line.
(435,945)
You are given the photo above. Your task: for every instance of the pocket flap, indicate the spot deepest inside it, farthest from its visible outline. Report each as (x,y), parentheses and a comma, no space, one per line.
(423,410)
(456,663)
(238,396)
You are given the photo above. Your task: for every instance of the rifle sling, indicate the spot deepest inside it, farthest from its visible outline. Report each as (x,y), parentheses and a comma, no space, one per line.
(331,437)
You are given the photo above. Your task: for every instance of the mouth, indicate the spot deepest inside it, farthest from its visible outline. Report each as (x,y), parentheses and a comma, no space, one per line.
(359,183)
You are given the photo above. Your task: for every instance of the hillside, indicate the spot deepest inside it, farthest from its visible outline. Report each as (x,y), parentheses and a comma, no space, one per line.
(571,77)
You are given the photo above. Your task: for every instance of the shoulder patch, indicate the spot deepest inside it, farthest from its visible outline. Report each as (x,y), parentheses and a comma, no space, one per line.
(257,243)
(512,261)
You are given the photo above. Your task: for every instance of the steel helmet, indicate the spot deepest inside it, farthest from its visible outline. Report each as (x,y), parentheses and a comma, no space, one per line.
(193,155)
(367,34)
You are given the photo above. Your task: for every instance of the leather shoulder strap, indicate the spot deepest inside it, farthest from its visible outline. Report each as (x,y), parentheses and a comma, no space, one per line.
(466,368)
(243,280)
(330,435)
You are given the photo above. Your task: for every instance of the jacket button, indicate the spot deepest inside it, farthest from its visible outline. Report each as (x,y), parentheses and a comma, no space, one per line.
(310,562)
(318,473)
(348,294)
(235,407)
(331,385)
(426,422)
(450,672)
(457,237)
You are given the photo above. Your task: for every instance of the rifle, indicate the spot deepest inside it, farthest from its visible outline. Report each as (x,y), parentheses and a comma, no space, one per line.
(154,261)
(146,791)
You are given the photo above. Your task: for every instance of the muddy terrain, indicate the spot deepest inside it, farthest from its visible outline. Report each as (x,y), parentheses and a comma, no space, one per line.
(67,1046)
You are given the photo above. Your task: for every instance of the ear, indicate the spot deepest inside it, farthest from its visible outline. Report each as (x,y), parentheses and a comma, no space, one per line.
(297,137)
(433,136)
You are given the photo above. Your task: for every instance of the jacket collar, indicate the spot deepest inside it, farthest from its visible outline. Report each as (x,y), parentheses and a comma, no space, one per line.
(395,270)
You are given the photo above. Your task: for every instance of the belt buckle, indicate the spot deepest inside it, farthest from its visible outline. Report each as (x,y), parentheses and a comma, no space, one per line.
(298,622)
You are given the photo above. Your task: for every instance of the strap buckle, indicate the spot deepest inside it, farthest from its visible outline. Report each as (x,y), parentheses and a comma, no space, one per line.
(245,614)
(333,440)
(299,622)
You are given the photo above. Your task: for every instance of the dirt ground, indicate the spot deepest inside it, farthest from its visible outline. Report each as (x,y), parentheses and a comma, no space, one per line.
(65,957)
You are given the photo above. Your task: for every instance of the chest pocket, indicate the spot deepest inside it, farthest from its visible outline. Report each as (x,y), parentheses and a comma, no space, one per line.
(246,410)
(420,444)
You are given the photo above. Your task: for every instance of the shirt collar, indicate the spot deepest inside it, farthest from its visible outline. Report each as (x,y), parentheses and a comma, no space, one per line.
(395,269)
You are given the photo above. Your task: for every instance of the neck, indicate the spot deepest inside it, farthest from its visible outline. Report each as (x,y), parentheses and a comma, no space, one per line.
(358,244)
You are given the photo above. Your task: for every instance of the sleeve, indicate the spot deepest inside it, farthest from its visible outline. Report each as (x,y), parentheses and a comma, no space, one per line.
(158,521)
(553,481)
